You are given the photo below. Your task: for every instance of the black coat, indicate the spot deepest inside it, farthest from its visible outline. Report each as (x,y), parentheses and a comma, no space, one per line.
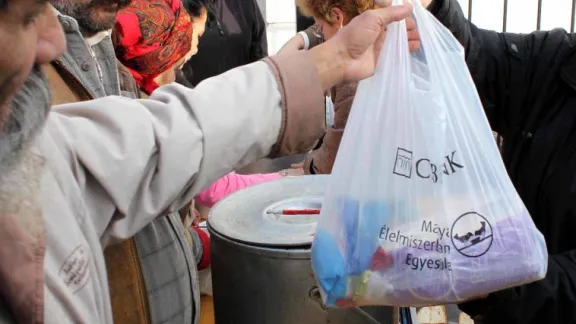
(527,84)
(239,39)
(303,22)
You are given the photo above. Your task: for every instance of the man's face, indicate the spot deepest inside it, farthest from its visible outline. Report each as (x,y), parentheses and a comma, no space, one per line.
(33,36)
(93,16)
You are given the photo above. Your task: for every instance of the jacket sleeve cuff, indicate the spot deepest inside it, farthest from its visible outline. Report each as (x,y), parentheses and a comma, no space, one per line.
(313,40)
(201,239)
(303,109)
(307,166)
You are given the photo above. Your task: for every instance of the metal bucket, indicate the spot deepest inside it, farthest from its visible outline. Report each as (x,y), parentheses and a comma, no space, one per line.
(261,271)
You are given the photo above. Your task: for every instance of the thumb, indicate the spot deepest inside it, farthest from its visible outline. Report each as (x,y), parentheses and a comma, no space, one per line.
(391,14)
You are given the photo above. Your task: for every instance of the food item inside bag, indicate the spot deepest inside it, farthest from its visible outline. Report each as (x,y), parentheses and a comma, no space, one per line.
(432,315)
(372,260)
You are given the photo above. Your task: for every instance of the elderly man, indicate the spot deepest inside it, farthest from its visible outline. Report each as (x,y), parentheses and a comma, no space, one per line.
(77,177)
(152,276)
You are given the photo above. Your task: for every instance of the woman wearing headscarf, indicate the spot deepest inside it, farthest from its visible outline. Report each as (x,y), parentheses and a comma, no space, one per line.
(153,38)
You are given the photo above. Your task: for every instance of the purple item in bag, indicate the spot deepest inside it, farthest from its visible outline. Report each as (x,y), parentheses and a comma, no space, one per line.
(489,259)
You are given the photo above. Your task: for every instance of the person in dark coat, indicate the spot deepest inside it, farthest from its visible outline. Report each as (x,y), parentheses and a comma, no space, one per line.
(302,21)
(238,38)
(196,8)
(527,84)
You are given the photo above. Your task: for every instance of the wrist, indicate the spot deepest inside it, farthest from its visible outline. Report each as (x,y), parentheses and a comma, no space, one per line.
(330,62)
(303,41)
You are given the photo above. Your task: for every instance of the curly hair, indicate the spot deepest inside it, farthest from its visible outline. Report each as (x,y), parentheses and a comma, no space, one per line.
(321,8)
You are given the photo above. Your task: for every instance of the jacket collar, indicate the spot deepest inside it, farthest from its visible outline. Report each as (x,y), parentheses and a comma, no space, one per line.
(97,38)
(69,24)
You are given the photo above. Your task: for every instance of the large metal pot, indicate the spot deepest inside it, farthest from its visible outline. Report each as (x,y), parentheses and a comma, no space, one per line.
(261,271)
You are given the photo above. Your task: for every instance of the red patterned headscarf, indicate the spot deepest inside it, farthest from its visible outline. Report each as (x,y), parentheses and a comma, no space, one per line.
(150,36)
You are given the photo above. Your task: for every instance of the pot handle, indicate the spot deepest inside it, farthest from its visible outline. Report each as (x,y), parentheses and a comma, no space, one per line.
(316,296)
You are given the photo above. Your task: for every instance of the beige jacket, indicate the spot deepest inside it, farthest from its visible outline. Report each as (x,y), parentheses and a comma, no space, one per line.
(321,160)
(107,172)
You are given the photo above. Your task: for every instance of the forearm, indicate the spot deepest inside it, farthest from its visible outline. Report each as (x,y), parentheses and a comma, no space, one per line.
(322,160)
(295,44)
(231,183)
(129,153)
(329,63)
(450,14)
(304,40)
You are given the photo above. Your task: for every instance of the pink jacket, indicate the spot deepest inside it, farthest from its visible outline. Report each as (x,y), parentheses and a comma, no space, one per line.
(231,183)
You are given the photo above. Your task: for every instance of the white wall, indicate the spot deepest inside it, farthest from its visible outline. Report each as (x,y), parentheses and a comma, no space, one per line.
(281,18)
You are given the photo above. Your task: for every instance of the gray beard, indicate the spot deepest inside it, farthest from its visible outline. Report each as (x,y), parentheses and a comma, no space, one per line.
(26,119)
(20,164)
(20,193)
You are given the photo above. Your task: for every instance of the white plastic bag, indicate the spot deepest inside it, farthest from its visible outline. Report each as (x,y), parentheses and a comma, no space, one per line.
(420,209)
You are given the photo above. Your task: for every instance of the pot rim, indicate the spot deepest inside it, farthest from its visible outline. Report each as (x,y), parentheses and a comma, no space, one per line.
(277,252)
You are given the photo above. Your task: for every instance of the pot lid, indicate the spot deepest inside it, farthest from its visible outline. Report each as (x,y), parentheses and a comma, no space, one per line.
(278,213)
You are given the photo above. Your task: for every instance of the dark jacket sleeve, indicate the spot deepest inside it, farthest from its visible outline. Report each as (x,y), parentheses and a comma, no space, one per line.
(506,68)
(555,294)
(313,37)
(259,47)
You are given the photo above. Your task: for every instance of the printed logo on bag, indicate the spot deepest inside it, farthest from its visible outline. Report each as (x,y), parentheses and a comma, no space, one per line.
(424,168)
(472,235)
(403,164)
(420,257)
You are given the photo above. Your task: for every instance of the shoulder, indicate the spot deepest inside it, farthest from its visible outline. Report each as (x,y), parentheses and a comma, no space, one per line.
(556,45)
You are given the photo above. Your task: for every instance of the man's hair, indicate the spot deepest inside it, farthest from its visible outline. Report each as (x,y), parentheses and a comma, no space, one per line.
(321,8)
(196,7)
(3,4)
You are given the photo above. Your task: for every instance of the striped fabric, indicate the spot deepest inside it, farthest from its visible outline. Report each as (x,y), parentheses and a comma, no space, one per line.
(169,271)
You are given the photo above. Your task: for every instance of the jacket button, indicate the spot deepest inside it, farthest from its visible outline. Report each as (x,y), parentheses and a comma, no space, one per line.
(67,26)
(86,66)
(514,48)
(527,135)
